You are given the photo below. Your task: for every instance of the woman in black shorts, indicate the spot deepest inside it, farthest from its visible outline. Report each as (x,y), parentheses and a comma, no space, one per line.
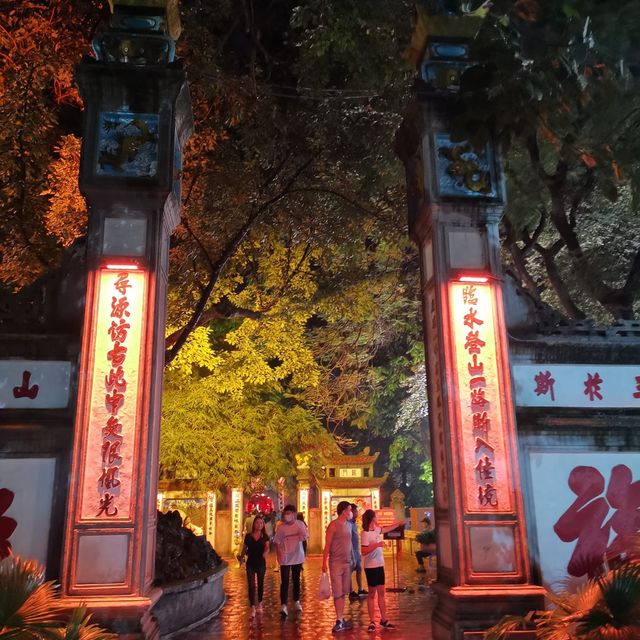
(372,544)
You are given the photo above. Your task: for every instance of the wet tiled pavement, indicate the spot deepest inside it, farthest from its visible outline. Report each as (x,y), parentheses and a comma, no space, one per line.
(409,610)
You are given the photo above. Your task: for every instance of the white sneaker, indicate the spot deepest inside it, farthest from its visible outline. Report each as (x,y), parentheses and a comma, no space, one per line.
(283,610)
(298,605)
(252,612)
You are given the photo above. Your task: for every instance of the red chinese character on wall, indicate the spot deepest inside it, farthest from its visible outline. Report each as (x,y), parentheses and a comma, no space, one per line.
(485,468)
(7,525)
(481,424)
(119,307)
(112,428)
(544,384)
(478,400)
(637,393)
(469,295)
(114,401)
(119,332)
(117,355)
(474,367)
(116,379)
(487,495)
(584,520)
(24,390)
(471,318)
(122,283)
(111,453)
(107,507)
(592,386)
(108,479)
(474,343)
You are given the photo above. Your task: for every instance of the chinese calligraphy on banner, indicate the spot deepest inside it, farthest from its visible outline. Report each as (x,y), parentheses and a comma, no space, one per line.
(113,414)
(479,398)
(594,386)
(34,384)
(585,505)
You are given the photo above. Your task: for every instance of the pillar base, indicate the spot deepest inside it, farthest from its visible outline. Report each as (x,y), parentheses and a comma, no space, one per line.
(127,616)
(464,612)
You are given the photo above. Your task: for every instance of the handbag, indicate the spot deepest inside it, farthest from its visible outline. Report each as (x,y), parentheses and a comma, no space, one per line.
(324,592)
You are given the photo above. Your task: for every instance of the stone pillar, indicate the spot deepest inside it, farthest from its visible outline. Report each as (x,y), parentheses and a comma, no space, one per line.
(137,118)
(456,201)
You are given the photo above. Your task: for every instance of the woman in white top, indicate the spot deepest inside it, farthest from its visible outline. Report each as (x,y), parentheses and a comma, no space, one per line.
(372,543)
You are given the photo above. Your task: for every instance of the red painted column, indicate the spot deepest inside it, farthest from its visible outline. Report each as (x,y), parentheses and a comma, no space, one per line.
(456,200)
(137,117)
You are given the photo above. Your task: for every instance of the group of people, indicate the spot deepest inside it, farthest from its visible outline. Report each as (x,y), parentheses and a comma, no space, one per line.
(346,552)
(289,537)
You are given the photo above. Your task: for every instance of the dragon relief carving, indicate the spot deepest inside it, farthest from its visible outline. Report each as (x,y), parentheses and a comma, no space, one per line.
(129,140)
(465,169)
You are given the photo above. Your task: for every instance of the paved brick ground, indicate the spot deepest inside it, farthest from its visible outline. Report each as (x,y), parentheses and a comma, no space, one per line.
(410,610)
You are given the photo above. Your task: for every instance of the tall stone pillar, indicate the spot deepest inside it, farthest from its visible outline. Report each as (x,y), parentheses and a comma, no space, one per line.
(137,118)
(456,201)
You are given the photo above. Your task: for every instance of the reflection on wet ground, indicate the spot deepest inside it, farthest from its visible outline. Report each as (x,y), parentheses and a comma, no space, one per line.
(409,610)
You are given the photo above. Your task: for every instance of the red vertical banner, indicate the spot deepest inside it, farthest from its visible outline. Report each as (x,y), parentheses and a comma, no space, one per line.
(111,418)
(480,403)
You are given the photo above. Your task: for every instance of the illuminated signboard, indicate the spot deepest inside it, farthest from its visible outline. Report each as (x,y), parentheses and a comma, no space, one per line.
(112,417)
(479,401)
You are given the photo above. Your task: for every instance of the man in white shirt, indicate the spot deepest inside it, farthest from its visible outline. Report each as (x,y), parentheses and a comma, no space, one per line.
(288,539)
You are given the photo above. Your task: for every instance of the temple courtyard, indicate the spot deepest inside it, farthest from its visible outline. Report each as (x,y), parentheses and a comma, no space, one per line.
(410,610)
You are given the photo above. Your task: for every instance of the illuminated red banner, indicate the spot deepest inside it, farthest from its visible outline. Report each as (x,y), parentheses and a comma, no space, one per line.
(112,416)
(479,400)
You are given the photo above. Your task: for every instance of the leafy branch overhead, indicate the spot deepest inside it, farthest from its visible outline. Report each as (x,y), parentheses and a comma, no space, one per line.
(555,84)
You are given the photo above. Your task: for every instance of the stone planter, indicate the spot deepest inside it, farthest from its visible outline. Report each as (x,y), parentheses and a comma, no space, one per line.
(188,603)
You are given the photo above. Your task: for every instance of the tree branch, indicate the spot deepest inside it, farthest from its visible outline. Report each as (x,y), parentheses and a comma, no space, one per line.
(557,283)
(219,264)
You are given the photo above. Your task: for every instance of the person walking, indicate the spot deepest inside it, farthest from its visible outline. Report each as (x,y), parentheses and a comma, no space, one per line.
(256,548)
(337,557)
(357,556)
(372,544)
(288,539)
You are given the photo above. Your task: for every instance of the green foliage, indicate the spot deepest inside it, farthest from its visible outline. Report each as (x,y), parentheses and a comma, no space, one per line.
(30,608)
(217,439)
(605,608)
(556,83)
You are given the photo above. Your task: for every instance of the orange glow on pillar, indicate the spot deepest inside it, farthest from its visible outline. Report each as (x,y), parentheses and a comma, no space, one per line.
(303,503)
(478,400)
(112,418)
(236,517)
(326,513)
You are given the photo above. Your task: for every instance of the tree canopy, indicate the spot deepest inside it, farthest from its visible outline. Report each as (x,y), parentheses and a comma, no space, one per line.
(293,307)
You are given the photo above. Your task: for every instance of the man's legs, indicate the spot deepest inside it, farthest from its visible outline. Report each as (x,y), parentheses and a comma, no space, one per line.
(284,583)
(420,556)
(359,576)
(295,572)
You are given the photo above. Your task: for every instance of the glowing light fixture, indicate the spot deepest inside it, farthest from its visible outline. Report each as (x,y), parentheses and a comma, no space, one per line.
(475,279)
(122,267)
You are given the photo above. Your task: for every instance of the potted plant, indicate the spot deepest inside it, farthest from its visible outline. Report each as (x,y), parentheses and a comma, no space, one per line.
(606,607)
(30,608)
